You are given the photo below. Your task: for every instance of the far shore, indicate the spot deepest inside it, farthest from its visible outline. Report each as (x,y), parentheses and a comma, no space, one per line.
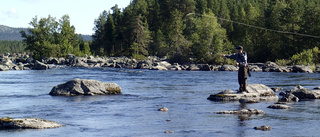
(23,61)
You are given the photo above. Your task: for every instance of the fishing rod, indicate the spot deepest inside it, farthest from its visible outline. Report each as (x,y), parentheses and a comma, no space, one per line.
(257,27)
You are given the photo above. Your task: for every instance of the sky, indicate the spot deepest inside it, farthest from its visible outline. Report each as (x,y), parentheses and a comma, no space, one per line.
(82,13)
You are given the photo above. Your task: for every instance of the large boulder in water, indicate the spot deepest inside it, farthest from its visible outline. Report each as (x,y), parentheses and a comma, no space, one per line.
(27,123)
(85,87)
(257,92)
(301,93)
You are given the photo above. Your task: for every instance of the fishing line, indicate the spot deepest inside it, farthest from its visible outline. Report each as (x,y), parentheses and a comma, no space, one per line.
(257,27)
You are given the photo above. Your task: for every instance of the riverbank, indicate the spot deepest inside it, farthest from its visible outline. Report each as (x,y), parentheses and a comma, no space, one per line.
(23,61)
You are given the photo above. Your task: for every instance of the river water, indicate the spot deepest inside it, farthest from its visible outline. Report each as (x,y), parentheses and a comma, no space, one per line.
(134,113)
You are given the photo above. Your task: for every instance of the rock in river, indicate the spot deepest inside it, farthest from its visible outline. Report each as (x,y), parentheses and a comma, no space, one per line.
(163,109)
(279,106)
(40,66)
(263,128)
(27,123)
(242,112)
(85,87)
(256,92)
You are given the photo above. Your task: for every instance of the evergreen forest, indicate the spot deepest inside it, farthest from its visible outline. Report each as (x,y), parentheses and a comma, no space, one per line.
(198,31)
(201,30)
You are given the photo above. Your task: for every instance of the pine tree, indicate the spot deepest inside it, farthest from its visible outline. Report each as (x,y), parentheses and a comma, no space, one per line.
(178,45)
(141,38)
(99,34)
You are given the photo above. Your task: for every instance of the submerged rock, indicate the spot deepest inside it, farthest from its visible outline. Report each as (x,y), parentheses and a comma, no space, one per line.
(85,87)
(242,112)
(27,123)
(163,109)
(169,131)
(277,89)
(256,92)
(279,106)
(248,101)
(263,128)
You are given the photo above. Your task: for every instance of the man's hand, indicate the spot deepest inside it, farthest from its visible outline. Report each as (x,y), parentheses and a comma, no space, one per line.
(223,55)
(237,64)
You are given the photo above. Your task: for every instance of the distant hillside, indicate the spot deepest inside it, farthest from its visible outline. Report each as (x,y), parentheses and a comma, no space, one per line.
(86,37)
(9,33)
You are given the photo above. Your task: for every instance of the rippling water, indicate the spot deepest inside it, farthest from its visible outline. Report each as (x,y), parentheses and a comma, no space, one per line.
(134,113)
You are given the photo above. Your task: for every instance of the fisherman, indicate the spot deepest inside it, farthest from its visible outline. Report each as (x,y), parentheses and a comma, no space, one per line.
(241,58)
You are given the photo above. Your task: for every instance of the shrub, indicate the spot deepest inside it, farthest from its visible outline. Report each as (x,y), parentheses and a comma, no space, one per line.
(283,62)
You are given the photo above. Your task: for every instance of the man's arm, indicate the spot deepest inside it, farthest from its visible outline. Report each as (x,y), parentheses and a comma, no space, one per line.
(233,56)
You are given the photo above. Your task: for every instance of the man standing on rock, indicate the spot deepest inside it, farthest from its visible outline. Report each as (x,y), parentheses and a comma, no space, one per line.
(241,58)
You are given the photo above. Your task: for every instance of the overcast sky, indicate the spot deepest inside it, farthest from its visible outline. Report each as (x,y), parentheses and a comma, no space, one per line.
(19,13)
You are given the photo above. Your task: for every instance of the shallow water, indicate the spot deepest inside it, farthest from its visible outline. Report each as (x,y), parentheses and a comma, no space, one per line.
(134,113)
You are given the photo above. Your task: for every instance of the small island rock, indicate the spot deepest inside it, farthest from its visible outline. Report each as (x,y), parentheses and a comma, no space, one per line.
(85,87)
(27,123)
(255,92)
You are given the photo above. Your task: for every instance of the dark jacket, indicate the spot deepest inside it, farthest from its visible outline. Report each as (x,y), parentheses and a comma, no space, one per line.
(240,58)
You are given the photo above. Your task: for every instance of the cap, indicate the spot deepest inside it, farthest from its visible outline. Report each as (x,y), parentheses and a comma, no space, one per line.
(239,47)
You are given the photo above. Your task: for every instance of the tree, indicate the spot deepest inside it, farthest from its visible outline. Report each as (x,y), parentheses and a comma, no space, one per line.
(159,46)
(209,38)
(99,34)
(311,25)
(291,20)
(178,45)
(68,40)
(42,35)
(110,36)
(141,38)
(49,38)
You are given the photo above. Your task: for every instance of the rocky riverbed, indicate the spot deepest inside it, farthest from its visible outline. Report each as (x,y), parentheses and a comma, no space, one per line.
(23,61)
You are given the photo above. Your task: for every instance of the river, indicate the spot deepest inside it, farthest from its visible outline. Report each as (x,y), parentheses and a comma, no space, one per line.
(134,113)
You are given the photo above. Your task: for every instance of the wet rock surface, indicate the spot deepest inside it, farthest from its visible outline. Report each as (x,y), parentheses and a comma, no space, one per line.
(299,93)
(163,109)
(257,92)
(27,123)
(242,112)
(279,106)
(263,128)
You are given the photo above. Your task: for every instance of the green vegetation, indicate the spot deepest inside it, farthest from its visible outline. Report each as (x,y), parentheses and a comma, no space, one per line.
(166,28)
(50,38)
(7,46)
(306,57)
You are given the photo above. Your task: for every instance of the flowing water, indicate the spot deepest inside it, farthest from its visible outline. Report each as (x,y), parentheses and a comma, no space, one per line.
(134,113)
